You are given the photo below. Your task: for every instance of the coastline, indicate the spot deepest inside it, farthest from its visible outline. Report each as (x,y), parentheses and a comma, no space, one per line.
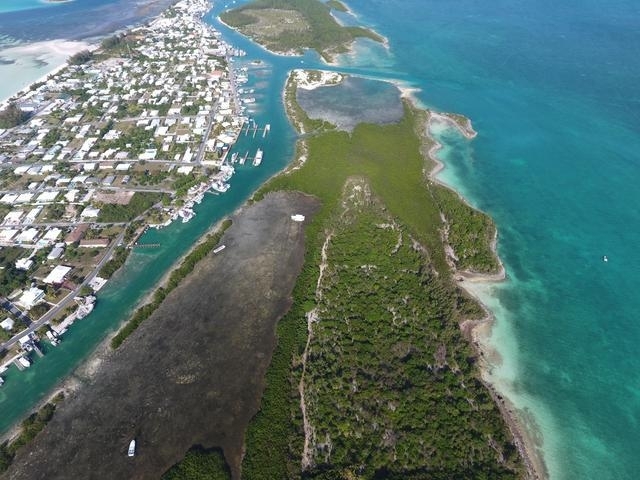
(477,331)
(52,52)
(481,328)
(328,58)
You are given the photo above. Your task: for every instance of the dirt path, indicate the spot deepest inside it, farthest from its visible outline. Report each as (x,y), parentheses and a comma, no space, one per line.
(312,317)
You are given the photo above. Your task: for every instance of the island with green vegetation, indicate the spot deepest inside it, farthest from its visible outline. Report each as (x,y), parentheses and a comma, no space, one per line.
(291,26)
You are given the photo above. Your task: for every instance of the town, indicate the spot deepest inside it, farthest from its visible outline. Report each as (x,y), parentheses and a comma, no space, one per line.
(129,135)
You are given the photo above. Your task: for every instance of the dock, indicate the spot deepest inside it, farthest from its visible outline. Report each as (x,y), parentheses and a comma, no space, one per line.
(253,128)
(145,245)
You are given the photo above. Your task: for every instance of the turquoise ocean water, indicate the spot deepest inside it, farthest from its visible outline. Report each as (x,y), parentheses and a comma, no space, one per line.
(553,91)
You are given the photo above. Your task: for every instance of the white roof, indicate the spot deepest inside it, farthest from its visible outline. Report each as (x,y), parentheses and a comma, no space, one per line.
(57,274)
(56,252)
(7,234)
(13,218)
(27,236)
(7,324)
(90,212)
(52,235)
(30,297)
(24,197)
(9,198)
(184,169)
(24,264)
(47,197)
(70,196)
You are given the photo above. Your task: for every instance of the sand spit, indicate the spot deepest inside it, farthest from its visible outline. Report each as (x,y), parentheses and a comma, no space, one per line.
(193,373)
(312,79)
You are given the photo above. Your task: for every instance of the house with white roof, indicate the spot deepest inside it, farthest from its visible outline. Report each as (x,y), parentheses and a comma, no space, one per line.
(27,236)
(24,264)
(30,297)
(56,276)
(7,324)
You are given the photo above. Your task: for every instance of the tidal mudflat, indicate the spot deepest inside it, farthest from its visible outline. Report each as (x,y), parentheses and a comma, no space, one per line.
(191,374)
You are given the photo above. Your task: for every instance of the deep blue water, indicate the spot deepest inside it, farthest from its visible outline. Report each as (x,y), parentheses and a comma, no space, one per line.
(552,88)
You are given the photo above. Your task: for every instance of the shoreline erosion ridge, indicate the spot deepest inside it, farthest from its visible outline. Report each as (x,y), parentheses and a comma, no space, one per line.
(463,125)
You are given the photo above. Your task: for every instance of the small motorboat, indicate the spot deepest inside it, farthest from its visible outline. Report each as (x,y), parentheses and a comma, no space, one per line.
(132,448)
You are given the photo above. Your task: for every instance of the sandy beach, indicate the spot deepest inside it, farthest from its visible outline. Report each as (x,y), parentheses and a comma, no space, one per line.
(26,64)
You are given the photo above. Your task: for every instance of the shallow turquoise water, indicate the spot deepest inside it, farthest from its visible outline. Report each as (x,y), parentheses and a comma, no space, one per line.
(552,89)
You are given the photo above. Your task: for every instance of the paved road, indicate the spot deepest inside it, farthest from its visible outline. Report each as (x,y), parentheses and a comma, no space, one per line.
(9,306)
(66,300)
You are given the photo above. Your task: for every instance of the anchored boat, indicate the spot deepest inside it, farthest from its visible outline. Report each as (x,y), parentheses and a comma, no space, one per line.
(132,448)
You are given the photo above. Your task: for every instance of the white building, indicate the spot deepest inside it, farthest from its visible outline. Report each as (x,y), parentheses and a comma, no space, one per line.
(52,235)
(90,212)
(24,264)
(30,297)
(27,236)
(7,324)
(56,252)
(57,275)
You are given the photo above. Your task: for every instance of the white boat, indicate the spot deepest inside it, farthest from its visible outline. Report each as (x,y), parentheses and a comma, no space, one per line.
(605,258)
(219,249)
(1,381)
(186,214)
(86,306)
(258,158)
(24,361)
(220,186)
(54,341)
(132,448)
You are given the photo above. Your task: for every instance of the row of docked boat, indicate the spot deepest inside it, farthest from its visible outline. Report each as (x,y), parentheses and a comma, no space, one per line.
(29,343)
(257,158)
